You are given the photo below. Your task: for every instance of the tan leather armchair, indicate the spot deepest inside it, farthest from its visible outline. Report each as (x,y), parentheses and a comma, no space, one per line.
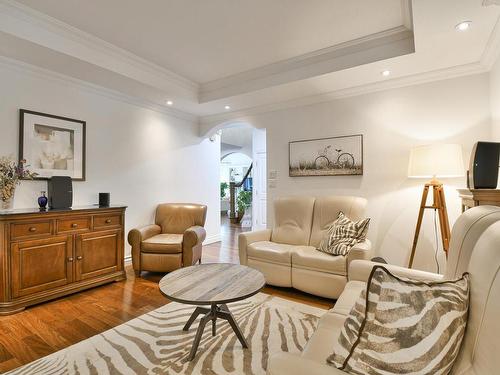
(174,241)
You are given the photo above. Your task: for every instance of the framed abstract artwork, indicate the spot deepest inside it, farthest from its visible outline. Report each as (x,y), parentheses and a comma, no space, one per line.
(334,156)
(52,145)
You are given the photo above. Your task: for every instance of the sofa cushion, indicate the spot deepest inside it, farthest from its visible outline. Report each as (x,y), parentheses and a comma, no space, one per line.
(343,234)
(404,326)
(293,220)
(309,258)
(271,252)
(348,298)
(163,244)
(326,211)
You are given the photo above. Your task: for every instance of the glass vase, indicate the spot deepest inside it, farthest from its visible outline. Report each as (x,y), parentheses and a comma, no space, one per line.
(7,198)
(7,204)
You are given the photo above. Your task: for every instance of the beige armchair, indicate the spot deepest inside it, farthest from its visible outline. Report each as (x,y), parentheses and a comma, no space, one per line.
(174,241)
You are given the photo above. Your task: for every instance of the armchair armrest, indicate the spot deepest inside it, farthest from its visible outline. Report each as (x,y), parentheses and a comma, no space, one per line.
(359,270)
(247,238)
(362,250)
(136,236)
(294,364)
(193,238)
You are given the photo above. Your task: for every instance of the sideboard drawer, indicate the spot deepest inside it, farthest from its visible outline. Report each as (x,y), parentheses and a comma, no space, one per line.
(30,229)
(74,224)
(107,221)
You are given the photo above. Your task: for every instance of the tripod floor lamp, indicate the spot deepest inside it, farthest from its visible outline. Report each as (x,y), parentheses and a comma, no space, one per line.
(435,161)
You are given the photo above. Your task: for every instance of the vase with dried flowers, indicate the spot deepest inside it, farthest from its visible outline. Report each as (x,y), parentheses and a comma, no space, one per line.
(11,174)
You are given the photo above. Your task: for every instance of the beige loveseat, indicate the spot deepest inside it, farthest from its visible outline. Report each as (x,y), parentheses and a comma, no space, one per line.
(475,248)
(287,254)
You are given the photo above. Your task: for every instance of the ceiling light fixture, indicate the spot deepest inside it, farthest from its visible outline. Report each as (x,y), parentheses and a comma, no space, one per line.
(169,102)
(463,26)
(386,73)
(227,107)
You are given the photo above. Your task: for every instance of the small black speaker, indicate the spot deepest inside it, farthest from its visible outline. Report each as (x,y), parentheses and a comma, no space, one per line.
(483,167)
(104,199)
(60,189)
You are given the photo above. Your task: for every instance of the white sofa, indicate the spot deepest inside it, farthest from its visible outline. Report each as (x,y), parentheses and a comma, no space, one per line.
(287,254)
(475,248)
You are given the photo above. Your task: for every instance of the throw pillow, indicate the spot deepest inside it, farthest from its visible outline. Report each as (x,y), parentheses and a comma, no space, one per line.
(407,327)
(343,234)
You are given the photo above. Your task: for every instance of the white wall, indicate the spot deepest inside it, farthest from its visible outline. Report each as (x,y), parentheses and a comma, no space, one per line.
(140,156)
(454,111)
(495,99)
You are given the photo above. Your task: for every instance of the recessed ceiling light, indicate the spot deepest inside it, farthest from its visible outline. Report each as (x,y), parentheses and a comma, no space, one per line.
(227,107)
(463,26)
(169,102)
(386,73)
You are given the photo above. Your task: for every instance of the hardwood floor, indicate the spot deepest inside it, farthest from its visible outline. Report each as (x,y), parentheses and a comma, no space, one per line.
(49,327)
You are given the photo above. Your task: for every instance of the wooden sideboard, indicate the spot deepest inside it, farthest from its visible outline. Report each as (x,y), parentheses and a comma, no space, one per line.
(477,197)
(49,254)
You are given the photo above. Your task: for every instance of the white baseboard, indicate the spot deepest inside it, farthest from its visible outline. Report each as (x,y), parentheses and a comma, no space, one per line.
(212,239)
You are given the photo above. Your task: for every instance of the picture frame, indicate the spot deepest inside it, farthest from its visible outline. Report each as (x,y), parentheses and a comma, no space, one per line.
(52,145)
(331,156)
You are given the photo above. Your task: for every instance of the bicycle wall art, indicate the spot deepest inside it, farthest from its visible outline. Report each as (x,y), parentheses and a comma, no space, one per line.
(335,156)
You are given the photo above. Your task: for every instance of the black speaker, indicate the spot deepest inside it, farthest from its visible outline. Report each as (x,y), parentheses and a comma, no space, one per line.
(104,199)
(483,167)
(60,189)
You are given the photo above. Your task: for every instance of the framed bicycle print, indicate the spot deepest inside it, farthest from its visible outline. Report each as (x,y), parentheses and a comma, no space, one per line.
(52,145)
(334,156)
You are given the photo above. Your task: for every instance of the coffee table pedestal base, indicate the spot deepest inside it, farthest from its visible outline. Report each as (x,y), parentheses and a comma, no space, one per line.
(211,314)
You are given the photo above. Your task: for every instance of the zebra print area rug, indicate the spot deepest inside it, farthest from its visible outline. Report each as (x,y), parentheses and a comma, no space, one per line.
(154,343)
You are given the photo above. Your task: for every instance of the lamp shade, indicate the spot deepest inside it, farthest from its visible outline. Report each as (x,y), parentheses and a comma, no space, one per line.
(436,160)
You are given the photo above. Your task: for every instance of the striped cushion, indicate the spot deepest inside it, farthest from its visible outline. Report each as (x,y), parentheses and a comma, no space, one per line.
(343,234)
(406,327)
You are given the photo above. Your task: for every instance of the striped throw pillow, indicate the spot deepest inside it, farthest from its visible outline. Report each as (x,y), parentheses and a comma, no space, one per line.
(343,234)
(407,327)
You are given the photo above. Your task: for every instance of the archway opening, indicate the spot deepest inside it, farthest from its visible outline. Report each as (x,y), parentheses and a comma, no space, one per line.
(242,177)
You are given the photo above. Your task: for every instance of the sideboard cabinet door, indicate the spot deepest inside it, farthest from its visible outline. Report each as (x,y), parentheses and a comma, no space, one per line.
(40,265)
(98,254)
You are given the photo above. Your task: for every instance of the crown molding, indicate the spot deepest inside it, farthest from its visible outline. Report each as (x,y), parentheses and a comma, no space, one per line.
(211,122)
(42,29)
(492,50)
(375,47)
(27,23)
(407,14)
(38,72)
(491,2)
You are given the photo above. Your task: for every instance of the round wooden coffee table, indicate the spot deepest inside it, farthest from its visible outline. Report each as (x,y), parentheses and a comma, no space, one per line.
(212,285)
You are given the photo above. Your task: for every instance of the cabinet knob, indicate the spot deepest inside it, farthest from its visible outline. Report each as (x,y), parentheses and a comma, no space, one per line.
(108,221)
(79,257)
(70,259)
(74,225)
(32,229)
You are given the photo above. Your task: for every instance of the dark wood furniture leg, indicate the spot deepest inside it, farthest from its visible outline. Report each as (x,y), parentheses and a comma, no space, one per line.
(212,314)
(194,315)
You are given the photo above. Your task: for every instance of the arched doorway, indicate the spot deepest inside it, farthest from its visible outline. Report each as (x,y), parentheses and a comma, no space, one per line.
(243,175)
